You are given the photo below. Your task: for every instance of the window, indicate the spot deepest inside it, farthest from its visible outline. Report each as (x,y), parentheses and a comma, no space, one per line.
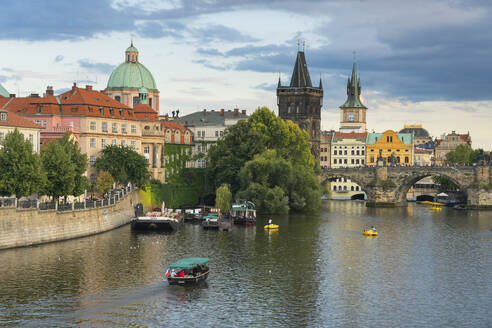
(113,142)
(351,117)
(352,161)
(353,153)
(345,188)
(406,159)
(216,133)
(357,161)
(362,161)
(44,123)
(134,129)
(114,127)
(357,152)
(334,152)
(146,150)
(123,128)
(351,188)
(92,160)
(363,152)
(103,143)
(93,178)
(335,161)
(117,98)
(123,143)
(93,126)
(344,161)
(38,122)
(93,142)
(134,144)
(345,152)
(104,127)
(334,188)
(221,133)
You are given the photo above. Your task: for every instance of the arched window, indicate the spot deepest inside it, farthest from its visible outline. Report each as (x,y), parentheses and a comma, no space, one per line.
(351,188)
(345,188)
(334,188)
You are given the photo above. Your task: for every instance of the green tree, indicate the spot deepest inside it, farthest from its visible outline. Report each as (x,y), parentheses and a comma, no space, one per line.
(59,170)
(223,197)
(265,131)
(80,162)
(104,182)
(124,164)
(20,167)
(462,154)
(444,184)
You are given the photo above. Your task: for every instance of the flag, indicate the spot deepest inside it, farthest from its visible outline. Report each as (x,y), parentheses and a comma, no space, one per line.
(167,273)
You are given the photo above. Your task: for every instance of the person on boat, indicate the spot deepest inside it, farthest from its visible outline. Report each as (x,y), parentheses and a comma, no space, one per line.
(173,273)
(373,228)
(269,221)
(181,274)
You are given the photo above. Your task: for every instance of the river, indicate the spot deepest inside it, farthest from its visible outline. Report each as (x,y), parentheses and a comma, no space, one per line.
(425,269)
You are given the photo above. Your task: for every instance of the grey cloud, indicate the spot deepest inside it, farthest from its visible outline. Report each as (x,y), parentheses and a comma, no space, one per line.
(266,86)
(208,64)
(95,67)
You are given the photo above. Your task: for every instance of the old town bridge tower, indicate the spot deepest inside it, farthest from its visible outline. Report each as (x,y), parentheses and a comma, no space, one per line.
(301,102)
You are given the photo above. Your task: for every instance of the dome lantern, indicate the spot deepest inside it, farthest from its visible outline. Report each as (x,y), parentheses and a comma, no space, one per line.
(142,95)
(131,54)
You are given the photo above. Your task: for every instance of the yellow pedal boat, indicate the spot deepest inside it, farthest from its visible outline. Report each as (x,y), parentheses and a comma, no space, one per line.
(369,232)
(271,226)
(436,208)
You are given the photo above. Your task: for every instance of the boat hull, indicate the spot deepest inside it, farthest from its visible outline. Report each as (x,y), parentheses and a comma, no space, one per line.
(144,223)
(244,221)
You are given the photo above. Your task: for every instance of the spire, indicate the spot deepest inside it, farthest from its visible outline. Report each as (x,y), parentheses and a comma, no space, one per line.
(279,84)
(320,83)
(300,75)
(353,89)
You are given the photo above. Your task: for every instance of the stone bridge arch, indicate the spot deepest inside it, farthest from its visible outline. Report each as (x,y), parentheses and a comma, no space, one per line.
(353,175)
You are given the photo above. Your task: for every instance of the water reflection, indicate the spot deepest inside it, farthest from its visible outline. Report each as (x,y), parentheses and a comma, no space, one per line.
(425,269)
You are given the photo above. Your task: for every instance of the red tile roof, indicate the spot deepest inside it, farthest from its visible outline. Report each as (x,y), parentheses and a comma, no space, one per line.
(173,125)
(350,135)
(422,151)
(15,120)
(144,112)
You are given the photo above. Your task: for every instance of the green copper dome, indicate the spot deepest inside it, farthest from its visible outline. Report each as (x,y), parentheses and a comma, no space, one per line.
(3,92)
(131,48)
(131,75)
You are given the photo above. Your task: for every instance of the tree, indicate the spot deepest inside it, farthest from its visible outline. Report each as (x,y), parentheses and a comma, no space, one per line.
(444,184)
(265,131)
(462,154)
(20,167)
(104,182)
(124,164)
(223,197)
(80,161)
(59,170)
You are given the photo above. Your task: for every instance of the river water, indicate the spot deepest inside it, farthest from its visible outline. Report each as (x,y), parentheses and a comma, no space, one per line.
(425,269)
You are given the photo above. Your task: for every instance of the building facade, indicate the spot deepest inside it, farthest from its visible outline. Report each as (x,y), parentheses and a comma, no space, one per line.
(301,102)
(390,147)
(10,121)
(207,127)
(325,149)
(353,112)
(423,157)
(420,135)
(128,78)
(449,142)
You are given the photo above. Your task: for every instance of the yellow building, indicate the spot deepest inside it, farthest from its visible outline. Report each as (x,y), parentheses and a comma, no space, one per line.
(393,148)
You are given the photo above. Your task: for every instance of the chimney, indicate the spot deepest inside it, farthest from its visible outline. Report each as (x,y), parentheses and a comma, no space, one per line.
(222,112)
(34,95)
(74,86)
(12,95)
(49,91)
(88,87)
(243,112)
(236,111)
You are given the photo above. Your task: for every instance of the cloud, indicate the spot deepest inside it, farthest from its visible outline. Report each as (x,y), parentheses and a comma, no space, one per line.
(271,87)
(95,67)
(62,90)
(209,64)
(5,78)
(59,58)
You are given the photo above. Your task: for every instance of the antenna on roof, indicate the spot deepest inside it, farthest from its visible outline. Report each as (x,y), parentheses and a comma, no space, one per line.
(298,44)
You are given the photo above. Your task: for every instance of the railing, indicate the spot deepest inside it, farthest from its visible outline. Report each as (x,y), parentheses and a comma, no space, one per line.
(113,197)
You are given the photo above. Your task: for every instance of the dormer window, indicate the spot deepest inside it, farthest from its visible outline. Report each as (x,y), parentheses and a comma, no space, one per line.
(3,116)
(40,108)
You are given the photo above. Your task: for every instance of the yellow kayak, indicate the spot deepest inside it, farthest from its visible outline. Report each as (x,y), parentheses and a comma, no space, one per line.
(271,226)
(369,233)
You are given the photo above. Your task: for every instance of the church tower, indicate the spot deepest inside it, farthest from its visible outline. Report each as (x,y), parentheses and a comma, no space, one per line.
(353,112)
(301,102)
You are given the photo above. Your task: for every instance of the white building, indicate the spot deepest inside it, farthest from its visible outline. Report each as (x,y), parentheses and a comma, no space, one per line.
(10,121)
(208,126)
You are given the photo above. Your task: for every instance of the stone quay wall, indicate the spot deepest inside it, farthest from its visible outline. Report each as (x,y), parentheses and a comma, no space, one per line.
(26,227)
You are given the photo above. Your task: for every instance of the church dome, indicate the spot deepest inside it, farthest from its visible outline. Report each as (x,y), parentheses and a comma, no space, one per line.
(131,74)
(418,131)
(3,92)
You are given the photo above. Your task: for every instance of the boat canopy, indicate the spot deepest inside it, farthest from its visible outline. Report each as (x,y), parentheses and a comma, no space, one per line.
(189,263)
(242,206)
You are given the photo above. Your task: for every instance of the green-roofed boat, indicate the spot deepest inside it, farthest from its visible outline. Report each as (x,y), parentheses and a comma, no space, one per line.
(243,212)
(188,271)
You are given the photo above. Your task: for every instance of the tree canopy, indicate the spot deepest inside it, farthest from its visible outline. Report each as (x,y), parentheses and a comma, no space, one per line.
(223,198)
(267,160)
(20,167)
(124,164)
(104,182)
(464,154)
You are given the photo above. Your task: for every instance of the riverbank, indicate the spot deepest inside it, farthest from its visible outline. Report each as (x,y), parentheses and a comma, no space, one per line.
(32,226)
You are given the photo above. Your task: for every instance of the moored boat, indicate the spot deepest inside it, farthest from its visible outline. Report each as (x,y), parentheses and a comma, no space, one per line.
(211,221)
(157,219)
(243,212)
(188,271)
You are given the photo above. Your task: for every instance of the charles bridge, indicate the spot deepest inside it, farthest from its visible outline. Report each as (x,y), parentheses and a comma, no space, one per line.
(388,185)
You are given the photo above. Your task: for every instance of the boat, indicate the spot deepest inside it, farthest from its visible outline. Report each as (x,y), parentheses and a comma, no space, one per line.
(433,203)
(211,221)
(157,219)
(194,270)
(370,232)
(243,212)
(436,208)
(271,226)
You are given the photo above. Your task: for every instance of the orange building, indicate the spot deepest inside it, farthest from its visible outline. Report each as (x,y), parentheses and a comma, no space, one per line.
(391,147)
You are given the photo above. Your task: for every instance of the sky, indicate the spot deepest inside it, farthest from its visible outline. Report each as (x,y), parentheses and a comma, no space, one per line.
(420,62)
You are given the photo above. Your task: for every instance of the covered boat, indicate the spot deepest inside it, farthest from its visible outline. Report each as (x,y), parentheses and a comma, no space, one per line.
(243,212)
(188,271)
(370,232)
(211,221)
(157,219)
